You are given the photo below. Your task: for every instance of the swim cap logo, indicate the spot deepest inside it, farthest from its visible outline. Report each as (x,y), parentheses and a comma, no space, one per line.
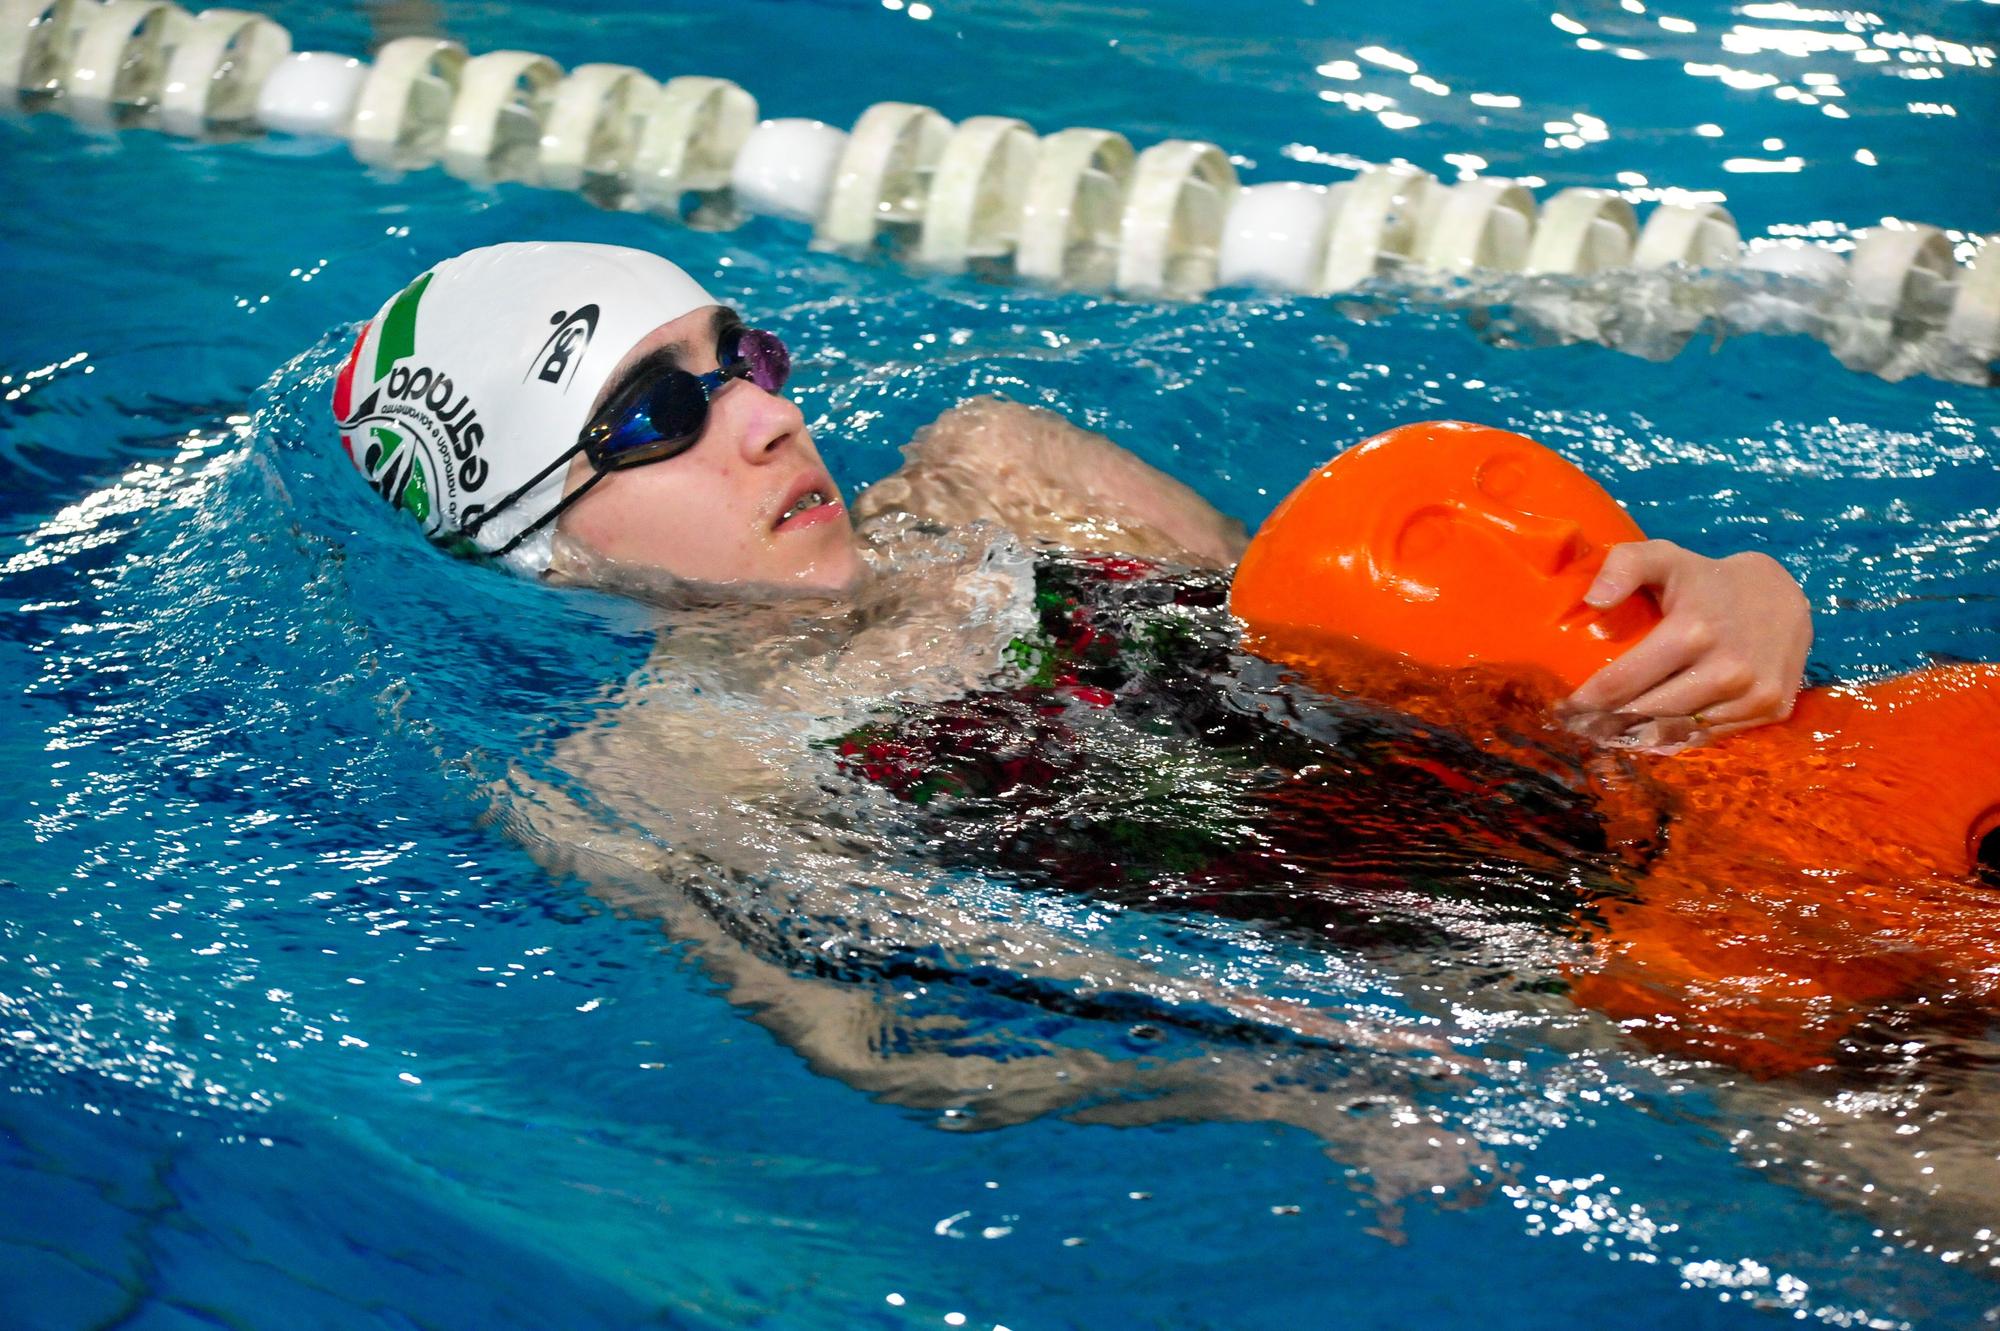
(411,431)
(396,473)
(556,362)
(420,398)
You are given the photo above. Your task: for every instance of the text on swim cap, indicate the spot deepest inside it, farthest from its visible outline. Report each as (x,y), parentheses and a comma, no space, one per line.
(459,421)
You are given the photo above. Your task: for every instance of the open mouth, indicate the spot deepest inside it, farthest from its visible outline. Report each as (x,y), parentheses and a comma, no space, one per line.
(807,502)
(810,499)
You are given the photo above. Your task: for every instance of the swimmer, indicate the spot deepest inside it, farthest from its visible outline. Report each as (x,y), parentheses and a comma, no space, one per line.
(589,416)
(582,412)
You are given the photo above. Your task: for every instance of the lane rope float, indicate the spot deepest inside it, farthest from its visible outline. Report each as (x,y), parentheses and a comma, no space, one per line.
(1079,207)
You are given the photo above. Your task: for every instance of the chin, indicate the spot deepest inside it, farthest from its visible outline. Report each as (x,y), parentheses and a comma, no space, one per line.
(836,570)
(834,577)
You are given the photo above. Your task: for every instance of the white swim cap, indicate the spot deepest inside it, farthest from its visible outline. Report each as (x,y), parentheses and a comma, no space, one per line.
(482,372)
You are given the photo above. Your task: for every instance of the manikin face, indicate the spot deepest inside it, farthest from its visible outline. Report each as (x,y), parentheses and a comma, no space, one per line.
(736,508)
(1449,543)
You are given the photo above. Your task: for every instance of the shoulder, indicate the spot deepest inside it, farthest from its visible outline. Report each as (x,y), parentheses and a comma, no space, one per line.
(955,467)
(991,430)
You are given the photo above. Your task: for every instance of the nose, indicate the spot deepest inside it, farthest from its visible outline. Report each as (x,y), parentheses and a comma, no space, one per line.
(763,425)
(1548,545)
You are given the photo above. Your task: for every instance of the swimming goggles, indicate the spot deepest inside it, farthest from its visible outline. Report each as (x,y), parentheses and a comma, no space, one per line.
(657,413)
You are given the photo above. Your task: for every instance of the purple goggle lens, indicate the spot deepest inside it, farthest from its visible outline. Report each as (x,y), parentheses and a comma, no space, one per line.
(768,361)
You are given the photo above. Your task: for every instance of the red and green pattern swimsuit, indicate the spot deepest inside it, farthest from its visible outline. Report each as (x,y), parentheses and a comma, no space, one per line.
(1139,755)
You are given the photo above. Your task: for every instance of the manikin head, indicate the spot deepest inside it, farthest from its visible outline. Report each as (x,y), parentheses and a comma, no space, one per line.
(1450,544)
(464,395)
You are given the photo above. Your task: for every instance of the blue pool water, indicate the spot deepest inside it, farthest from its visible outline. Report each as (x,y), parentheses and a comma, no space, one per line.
(290,1036)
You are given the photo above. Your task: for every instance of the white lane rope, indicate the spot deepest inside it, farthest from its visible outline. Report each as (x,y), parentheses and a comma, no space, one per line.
(1077,207)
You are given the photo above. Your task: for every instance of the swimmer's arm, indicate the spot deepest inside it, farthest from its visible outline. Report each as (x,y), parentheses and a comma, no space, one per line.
(683,812)
(1729,653)
(891,1040)
(1050,481)
(1354,1084)
(1357,1088)
(685,823)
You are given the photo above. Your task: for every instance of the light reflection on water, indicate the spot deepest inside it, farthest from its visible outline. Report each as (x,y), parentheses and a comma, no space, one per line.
(255,721)
(362,947)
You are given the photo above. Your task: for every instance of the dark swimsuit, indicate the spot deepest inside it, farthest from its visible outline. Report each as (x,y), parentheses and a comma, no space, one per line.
(1142,757)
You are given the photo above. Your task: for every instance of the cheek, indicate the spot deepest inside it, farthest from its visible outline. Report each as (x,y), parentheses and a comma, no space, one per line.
(690,520)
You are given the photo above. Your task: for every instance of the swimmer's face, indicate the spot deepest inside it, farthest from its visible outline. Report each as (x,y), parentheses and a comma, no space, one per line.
(749,503)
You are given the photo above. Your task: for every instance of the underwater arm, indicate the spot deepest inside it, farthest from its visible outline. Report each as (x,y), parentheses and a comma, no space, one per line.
(900,1034)
(867,969)
(1729,654)
(1048,480)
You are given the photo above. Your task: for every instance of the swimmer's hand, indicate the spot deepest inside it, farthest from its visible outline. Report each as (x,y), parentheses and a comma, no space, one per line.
(1728,655)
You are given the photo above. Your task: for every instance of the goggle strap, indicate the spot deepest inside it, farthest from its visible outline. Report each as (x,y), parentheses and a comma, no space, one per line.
(472,528)
(552,514)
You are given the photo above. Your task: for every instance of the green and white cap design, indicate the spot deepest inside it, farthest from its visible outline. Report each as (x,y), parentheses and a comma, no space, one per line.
(479,373)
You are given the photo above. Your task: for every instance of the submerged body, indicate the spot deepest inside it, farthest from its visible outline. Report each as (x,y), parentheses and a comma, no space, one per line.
(713,792)
(869,870)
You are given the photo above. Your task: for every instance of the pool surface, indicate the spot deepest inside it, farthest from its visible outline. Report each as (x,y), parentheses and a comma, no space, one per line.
(292,1036)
